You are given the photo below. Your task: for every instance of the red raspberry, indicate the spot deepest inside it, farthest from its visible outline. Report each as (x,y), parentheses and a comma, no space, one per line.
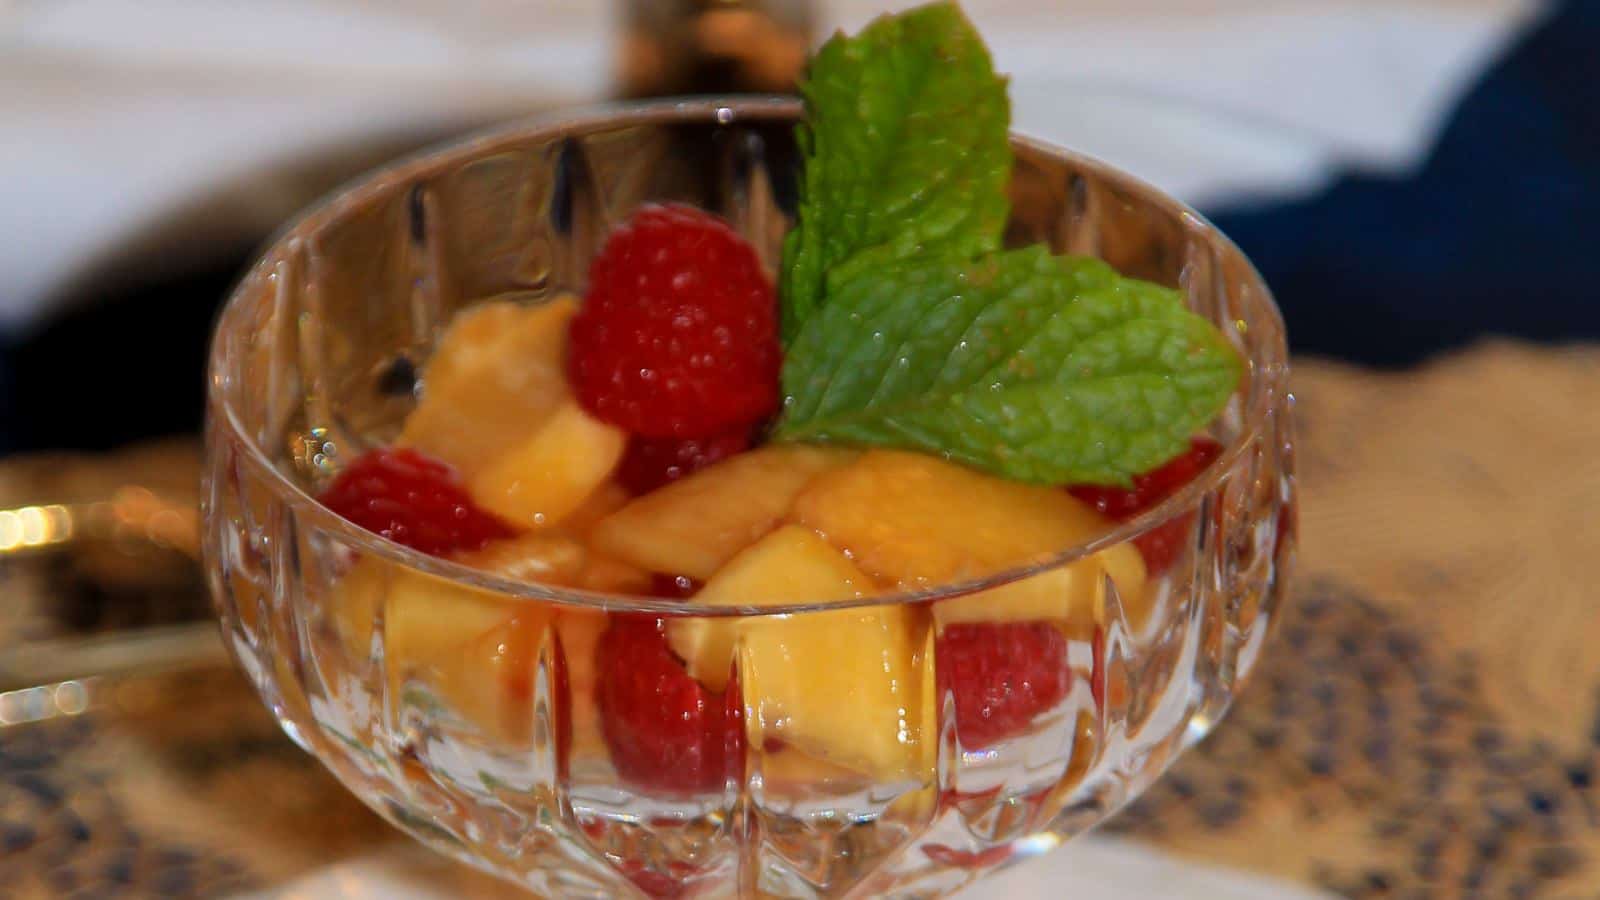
(1097,678)
(1162,544)
(1003,675)
(650,463)
(412,499)
(678,336)
(666,732)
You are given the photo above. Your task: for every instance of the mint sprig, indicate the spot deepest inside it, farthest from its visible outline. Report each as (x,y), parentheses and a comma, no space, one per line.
(908,327)
(905,153)
(1037,367)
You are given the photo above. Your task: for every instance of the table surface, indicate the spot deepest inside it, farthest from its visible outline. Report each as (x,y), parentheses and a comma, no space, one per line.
(1426,722)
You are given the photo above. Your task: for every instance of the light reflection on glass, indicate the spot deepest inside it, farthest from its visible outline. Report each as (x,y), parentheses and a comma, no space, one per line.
(31,527)
(49,701)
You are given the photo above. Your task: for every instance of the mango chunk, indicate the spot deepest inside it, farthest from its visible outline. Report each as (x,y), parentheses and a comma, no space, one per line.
(580,631)
(540,557)
(555,558)
(843,687)
(790,566)
(921,522)
(605,500)
(1074,592)
(474,650)
(497,375)
(613,576)
(545,479)
(691,527)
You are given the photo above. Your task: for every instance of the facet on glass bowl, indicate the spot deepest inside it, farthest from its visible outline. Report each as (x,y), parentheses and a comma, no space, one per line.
(461,706)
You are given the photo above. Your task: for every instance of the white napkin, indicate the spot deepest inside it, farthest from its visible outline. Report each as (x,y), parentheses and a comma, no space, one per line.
(179,123)
(1090,867)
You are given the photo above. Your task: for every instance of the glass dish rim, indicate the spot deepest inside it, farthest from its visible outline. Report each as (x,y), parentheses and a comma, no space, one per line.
(722,110)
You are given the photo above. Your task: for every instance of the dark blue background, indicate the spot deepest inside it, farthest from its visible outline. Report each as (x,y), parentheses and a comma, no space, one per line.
(1499,233)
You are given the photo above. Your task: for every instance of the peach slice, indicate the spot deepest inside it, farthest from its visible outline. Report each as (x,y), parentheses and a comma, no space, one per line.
(543,557)
(497,375)
(545,479)
(605,500)
(841,686)
(921,523)
(691,527)
(475,650)
(580,631)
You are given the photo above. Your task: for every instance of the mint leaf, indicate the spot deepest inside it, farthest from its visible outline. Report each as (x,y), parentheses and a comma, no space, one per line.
(1031,366)
(907,327)
(905,152)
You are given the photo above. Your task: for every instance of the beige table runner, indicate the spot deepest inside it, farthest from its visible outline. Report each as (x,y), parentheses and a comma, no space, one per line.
(1426,722)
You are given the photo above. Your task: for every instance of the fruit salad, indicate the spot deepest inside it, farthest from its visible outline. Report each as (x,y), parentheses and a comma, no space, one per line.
(886,438)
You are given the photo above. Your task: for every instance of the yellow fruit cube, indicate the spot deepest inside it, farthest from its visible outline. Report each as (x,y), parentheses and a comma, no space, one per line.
(606,499)
(558,557)
(613,576)
(497,375)
(489,680)
(785,771)
(790,566)
(691,527)
(543,480)
(1075,592)
(542,557)
(580,631)
(844,686)
(921,522)
(474,650)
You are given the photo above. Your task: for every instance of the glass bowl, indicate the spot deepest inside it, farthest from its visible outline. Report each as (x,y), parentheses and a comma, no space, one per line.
(462,706)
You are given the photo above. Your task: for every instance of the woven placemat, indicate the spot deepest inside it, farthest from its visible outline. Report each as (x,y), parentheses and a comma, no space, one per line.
(1425,724)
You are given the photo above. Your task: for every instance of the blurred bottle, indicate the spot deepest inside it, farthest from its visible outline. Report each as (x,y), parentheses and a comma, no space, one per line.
(673,47)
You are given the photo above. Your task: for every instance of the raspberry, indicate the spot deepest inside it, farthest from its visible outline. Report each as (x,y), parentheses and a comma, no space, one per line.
(1003,675)
(678,336)
(1153,486)
(650,463)
(1162,544)
(666,732)
(412,499)
(1097,678)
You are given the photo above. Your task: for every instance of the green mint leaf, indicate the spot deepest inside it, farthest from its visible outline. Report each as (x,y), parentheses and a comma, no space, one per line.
(1034,367)
(905,153)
